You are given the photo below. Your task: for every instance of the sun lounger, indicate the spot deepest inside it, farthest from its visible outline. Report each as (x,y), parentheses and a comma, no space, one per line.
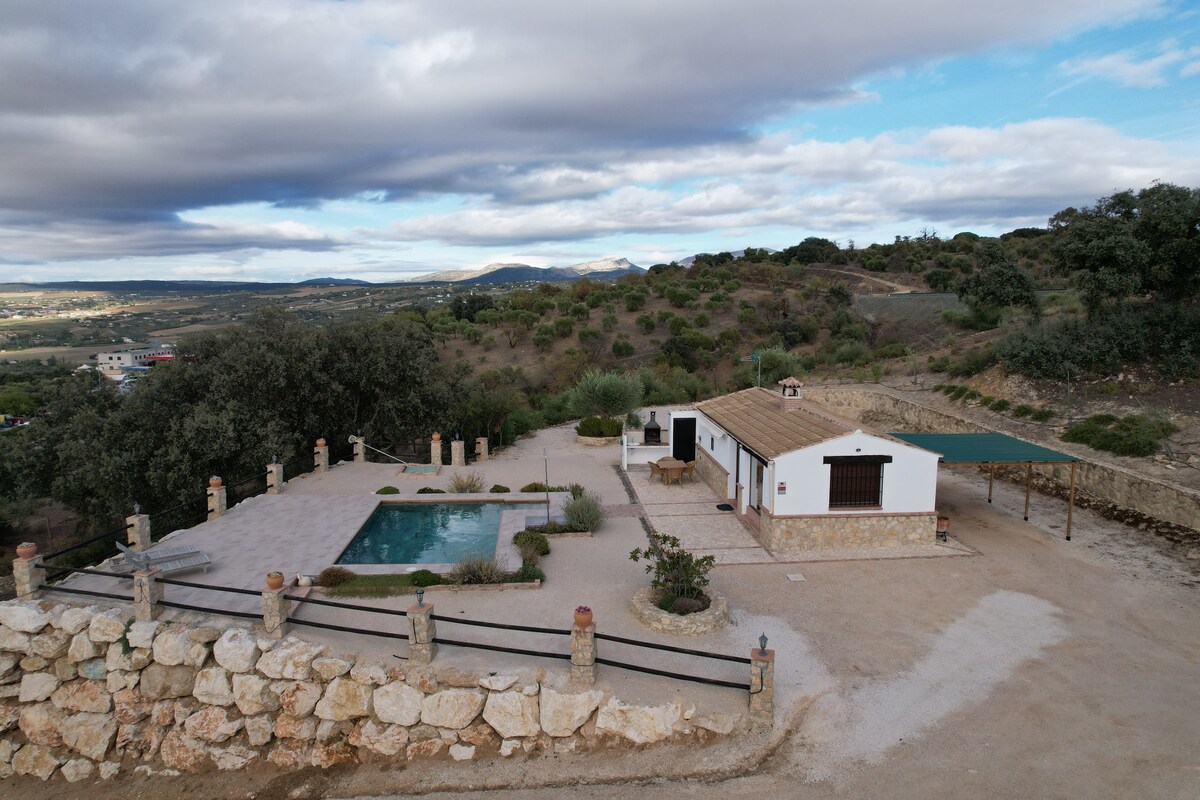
(166,559)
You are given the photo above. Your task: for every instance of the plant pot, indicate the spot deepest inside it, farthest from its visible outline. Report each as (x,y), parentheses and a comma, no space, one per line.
(215,482)
(274,580)
(320,442)
(943,524)
(26,550)
(583,618)
(437,437)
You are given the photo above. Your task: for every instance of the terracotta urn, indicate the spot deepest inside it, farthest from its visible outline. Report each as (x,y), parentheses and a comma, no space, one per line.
(215,481)
(320,442)
(583,616)
(274,580)
(26,550)
(437,437)
(943,524)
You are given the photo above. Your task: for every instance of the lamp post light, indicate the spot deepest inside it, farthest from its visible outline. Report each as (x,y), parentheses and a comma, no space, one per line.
(762,645)
(420,597)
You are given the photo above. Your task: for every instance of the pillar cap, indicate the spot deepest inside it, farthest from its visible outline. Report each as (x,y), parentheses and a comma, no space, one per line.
(757,655)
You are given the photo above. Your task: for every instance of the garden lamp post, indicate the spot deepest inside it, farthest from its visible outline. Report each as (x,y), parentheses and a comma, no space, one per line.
(546,463)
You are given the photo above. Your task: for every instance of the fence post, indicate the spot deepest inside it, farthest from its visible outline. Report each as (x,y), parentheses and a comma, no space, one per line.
(583,653)
(274,478)
(139,532)
(422,632)
(762,685)
(321,456)
(28,573)
(435,449)
(481,449)
(147,594)
(274,612)
(360,450)
(458,453)
(216,498)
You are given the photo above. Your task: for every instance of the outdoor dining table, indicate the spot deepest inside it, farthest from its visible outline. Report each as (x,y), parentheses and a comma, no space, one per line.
(672,470)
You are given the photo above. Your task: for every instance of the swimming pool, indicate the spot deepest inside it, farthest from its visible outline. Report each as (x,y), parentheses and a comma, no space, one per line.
(430,533)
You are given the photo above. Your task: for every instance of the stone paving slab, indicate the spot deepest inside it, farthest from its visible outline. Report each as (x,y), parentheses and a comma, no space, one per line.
(685,509)
(700,532)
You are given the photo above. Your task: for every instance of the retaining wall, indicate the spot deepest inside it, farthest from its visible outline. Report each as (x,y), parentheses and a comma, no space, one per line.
(781,534)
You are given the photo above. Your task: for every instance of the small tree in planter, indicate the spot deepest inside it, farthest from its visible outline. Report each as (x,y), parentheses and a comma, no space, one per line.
(679,576)
(607,395)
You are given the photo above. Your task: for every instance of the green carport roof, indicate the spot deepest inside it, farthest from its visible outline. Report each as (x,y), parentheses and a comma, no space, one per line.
(983,448)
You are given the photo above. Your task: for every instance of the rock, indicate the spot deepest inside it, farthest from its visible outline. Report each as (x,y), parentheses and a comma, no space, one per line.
(65,670)
(481,735)
(452,708)
(33,663)
(259,730)
(212,687)
(462,752)
(82,695)
(387,740)
(344,699)
(566,745)
(107,626)
(718,722)
(162,682)
(51,644)
(237,650)
(252,694)
(368,674)
(448,736)
(24,617)
(41,723)
(93,669)
(512,714)
(638,724)
(289,727)
(129,706)
(183,708)
(197,654)
(109,769)
(34,759)
(141,738)
(329,668)
(509,746)
(330,755)
(531,690)
(398,703)
(118,680)
(291,659)
(183,752)
(75,619)
(8,663)
(171,646)
(77,769)
(426,749)
(562,713)
(90,734)
(289,754)
(423,680)
(125,659)
(205,634)
(497,683)
(298,698)
(9,716)
(232,757)
(14,641)
(141,634)
(212,724)
(37,686)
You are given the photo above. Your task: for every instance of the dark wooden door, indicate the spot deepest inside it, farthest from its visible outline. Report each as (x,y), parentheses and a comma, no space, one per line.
(683,439)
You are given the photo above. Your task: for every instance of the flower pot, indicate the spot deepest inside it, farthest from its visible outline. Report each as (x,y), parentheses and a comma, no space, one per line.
(583,618)
(943,524)
(26,550)
(320,442)
(437,437)
(274,580)
(215,482)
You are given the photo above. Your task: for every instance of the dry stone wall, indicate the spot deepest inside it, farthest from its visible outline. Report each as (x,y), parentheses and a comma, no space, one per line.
(88,693)
(781,534)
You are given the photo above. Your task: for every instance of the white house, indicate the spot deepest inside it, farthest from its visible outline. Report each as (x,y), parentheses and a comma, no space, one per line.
(117,364)
(805,478)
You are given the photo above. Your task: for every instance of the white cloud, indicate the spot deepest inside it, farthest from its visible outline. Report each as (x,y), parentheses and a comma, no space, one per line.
(1126,69)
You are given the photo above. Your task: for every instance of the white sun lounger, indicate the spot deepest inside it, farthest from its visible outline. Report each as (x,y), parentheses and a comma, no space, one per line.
(167,559)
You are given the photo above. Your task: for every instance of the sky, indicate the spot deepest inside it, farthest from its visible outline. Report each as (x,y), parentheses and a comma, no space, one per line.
(291,139)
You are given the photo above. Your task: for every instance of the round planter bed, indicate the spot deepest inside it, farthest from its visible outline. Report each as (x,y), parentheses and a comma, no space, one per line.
(596,441)
(715,617)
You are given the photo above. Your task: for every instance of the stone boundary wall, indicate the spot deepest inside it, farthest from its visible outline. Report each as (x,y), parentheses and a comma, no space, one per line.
(87,693)
(1105,482)
(780,534)
(713,474)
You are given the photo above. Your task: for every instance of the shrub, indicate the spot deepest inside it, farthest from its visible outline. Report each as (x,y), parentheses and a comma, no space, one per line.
(549,527)
(633,420)
(528,573)
(683,605)
(466,483)
(1042,415)
(1023,410)
(536,486)
(973,363)
(622,348)
(532,545)
(576,489)
(606,394)
(1134,435)
(333,576)
(1000,405)
(430,490)
(477,570)
(388,490)
(499,488)
(599,426)
(892,350)
(584,512)
(424,577)
(675,572)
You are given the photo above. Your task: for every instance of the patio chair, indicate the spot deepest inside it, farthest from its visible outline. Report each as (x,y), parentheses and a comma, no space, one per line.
(689,469)
(655,470)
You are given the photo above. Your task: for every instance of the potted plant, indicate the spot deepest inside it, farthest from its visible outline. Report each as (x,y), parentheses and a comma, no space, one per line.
(215,481)
(26,550)
(583,616)
(943,526)
(274,580)
(320,442)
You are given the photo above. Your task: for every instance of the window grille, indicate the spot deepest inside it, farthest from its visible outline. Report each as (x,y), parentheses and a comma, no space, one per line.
(856,481)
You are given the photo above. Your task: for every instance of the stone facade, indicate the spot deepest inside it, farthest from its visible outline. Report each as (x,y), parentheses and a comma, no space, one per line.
(713,618)
(846,531)
(712,473)
(253,698)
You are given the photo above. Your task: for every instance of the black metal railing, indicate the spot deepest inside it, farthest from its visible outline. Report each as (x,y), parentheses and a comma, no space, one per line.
(110,535)
(330,626)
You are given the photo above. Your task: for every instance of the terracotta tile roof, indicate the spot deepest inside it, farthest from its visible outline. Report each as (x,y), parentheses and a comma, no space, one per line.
(754,418)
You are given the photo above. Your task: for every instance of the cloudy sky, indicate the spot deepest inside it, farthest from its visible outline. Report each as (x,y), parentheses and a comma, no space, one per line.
(288,139)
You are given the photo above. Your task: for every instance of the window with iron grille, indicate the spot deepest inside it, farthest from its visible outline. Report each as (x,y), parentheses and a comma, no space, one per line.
(856,481)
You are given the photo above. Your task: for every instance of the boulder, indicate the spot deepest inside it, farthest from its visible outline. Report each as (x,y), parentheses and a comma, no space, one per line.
(37,686)
(171,646)
(141,634)
(253,695)
(562,713)
(512,714)
(33,663)
(297,698)
(90,734)
(75,619)
(368,674)
(452,708)
(183,752)
(161,682)
(259,729)
(344,699)
(117,680)
(398,703)
(291,659)
(14,641)
(212,687)
(51,644)
(232,757)
(387,740)
(82,648)
(212,724)
(197,654)
(237,650)
(289,727)
(24,617)
(125,659)
(205,634)
(107,626)
(93,669)
(638,724)
(64,669)
(34,759)
(78,769)
(82,695)
(329,668)
(129,706)
(40,724)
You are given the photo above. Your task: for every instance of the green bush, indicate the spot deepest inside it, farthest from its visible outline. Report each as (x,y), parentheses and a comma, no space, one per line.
(1023,410)
(892,350)
(1000,405)
(549,527)
(388,490)
(466,483)
(599,426)
(531,544)
(584,512)
(528,573)
(633,420)
(1134,435)
(606,394)
(333,576)
(973,363)
(1042,415)
(577,490)
(477,570)
(424,577)
(536,486)
(499,488)
(430,490)
(675,572)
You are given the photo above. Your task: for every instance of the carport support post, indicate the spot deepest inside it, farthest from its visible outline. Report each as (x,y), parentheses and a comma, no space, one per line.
(147,594)
(216,498)
(1028,482)
(583,654)
(422,634)
(139,532)
(274,478)
(274,612)
(1071,501)
(762,686)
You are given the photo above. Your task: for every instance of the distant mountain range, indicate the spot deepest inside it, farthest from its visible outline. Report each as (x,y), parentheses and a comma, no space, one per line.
(604,269)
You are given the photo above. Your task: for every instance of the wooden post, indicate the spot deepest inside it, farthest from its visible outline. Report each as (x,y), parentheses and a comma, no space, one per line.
(991,479)
(1071,501)
(1028,481)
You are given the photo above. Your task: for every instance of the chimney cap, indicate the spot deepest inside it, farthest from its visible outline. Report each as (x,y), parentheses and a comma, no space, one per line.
(791,382)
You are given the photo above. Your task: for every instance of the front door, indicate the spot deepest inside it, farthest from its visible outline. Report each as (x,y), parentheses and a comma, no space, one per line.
(758,484)
(683,438)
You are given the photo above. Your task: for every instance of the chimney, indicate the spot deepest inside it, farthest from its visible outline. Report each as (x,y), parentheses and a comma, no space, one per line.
(789,396)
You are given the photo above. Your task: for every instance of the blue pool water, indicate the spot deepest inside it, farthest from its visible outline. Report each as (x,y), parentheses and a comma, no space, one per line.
(428,533)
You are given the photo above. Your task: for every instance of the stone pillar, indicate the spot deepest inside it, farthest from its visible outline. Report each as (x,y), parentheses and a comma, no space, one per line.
(458,453)
(435,449)
(139,532)
(216,498)
(762,686)
(422,631)
(481,449)
(360,450)
(321,456)
(274,478)
(28,576)
(583,654)
(147,594)
(274,612)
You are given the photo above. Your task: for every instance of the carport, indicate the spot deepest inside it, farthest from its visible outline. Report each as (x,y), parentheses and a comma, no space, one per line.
(990,449)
